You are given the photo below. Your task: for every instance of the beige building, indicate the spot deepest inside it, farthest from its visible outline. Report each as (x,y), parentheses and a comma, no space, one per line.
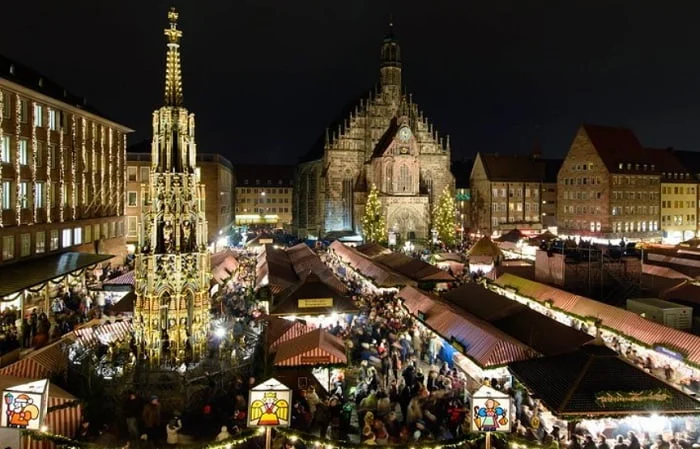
(215,171)
(512,192)
(264,195)
(385,140)
(609,186)
(61,170)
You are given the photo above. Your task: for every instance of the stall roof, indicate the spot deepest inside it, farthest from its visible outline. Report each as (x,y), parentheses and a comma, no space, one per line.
(664,272)
(317,347)
(595,381)
(543,334)
(686,291)
(223,264)
(125,279)
(405,265)
(320,298)
(484,343)
(280,330)
(124,305)
(619,320)
(18,276)
(512,236)
(304,260)
(485,247)
(381,275)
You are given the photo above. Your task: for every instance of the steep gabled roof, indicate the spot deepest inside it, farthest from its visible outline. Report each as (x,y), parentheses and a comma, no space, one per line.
(617,146)
(517,168)
(386,139)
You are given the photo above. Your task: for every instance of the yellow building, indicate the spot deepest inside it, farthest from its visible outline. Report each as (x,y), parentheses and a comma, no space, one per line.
(264,195)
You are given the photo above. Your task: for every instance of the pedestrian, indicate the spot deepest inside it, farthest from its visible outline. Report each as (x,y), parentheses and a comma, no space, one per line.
(172,430)
(151,418)
(132,406)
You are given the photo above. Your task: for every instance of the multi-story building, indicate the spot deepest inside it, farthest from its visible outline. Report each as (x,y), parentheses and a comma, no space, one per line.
(264,195)
(460,171)
(609,186)
(385,141)
(690,161)
(214,170)
(678,197)
(61,170)
(507,191)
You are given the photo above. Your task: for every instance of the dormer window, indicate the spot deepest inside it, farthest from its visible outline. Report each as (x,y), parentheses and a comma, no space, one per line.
(653,167)
(12,69)
(620,165)
(629,166)
(645,167)
(636,167)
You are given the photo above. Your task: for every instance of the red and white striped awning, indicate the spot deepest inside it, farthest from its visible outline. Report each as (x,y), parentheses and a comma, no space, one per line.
(64,421)
(91,336)
(27,368)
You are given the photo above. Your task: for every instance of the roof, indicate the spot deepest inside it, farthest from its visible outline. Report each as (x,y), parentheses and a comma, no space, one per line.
(24,274)
(305,261)
(314,348)
(690,160)
(485,247)
(484,344)
(381,275)
(513,236)
(656,302)
(386,139)
(274,270)
(264,175)
(410,267)
(543,334)
(280,330)
(595,381)
(124,279)
(223,264)
(617,146)
(312,296)
(618,320)
(504,167)
(686,292)
(664,272)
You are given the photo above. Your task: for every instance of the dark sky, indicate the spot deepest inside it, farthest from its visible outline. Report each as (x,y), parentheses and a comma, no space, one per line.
(265,77)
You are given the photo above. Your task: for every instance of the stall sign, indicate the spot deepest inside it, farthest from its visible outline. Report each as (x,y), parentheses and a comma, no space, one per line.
(632,399)
(665,351)
(315,360)
(491,412)
(24,406)
(311,303)
(269,404)
(458,346)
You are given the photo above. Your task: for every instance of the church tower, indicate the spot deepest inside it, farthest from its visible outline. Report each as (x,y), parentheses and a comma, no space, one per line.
(390,67)
(171,316)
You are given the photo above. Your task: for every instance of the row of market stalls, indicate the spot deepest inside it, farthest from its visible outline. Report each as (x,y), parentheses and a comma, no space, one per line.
(624,331)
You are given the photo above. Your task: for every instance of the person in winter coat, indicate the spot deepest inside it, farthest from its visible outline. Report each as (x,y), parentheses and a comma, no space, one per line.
(151,418)
(131,409)
(172,429)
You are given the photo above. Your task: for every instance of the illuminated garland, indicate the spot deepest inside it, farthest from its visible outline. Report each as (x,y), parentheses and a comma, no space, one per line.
(93,164)
(74,157)
(61,178)
(35,151)
(49,162)
(121,180)
(102,169)
(83,154)
(18,132)
(110,169)
(2,120)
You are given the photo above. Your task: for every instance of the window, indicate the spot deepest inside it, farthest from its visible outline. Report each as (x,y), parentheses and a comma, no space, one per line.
(38,115)
(23,198)
(25,244)
(5,150)
(39,152)
(131,226)
(78,235)
(23,111)
(144,174)
(67,239)
(131,173)
(88,233)
(40,242)
(53,156)
(6,105)
(132,199)
(8,247)
(112,230)
(39,195)
(22,155)
(53,120)
(53,240)
(6,195)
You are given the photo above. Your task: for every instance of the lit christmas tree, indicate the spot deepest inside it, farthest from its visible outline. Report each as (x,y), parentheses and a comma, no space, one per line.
(444,218)
(373,223)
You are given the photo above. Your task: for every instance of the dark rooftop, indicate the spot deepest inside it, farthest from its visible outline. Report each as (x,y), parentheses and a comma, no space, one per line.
(264,175)
(519,168)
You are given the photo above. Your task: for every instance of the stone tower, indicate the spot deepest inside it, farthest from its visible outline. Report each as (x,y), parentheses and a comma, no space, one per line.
(172,262)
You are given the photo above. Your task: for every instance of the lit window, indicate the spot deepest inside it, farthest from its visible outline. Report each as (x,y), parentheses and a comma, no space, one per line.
(6,195)
(25,244)
(78,236)
(40,242)
(23,198)
(22,155)
(132,199)
(88,233)
(131,173)
(23,111)
(67,239)
(144,174)
(38,115)
(39,195)
(8,247)
(131,226)
(53,240)
(53,120)
(5,150)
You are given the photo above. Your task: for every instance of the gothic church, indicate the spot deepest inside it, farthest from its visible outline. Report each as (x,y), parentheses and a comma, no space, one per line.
(386,141)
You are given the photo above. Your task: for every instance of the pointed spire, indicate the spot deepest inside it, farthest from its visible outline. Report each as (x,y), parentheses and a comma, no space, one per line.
(328,137)
(447,145)
(173,70)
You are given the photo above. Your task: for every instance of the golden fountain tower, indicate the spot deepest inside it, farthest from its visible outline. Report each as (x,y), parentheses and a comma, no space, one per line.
(172,263)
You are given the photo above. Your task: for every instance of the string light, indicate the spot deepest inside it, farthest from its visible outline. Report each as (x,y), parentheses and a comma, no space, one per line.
(83,165)
(74,156)
(93,166)
(49,162)
(61,177)
(102,168)
(35,151)
(2,148)
(18,131)
(110,169)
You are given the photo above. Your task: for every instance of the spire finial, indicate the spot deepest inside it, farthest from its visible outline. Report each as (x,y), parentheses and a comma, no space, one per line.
(173,70)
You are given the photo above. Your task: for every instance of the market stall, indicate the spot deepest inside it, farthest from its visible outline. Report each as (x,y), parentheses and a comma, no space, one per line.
(351,264)
(280,330)
(593,391)
(223,265)
(484,256)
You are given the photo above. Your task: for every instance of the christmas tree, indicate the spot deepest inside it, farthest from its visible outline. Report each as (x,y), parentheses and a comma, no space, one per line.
(373,223)
(444,216)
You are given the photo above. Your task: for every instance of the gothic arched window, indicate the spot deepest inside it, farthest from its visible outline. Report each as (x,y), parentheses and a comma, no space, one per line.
(388,178)
(404,184)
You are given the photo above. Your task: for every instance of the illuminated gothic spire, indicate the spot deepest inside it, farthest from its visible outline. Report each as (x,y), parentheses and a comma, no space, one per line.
(173,70)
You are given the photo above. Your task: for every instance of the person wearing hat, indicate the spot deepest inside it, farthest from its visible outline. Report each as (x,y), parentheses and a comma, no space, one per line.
(151,418)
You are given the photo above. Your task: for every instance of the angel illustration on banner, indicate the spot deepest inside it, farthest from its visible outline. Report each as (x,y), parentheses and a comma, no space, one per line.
(269,410)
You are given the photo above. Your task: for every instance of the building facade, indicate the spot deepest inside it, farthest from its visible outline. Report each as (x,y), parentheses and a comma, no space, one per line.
(265,195)
(215,169)
(507,192)
(609,186)
(172,264)
(384,140)
(61,170)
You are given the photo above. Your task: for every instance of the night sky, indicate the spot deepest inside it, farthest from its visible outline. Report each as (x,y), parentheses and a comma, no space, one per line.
(266,77)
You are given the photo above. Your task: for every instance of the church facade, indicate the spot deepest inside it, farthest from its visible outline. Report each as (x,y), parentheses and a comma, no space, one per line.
(172,273)
(386,141)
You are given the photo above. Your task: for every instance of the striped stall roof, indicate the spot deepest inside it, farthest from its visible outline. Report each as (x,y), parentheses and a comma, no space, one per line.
(664,272)
(280,330)
(317,347)
(51,357)
(484,343)
(616,319)
(380,275)
(27,368)
(95,332)
(124,279)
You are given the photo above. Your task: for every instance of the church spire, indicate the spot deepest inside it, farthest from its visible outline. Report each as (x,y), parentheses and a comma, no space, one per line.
(390,66)
(173,69)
